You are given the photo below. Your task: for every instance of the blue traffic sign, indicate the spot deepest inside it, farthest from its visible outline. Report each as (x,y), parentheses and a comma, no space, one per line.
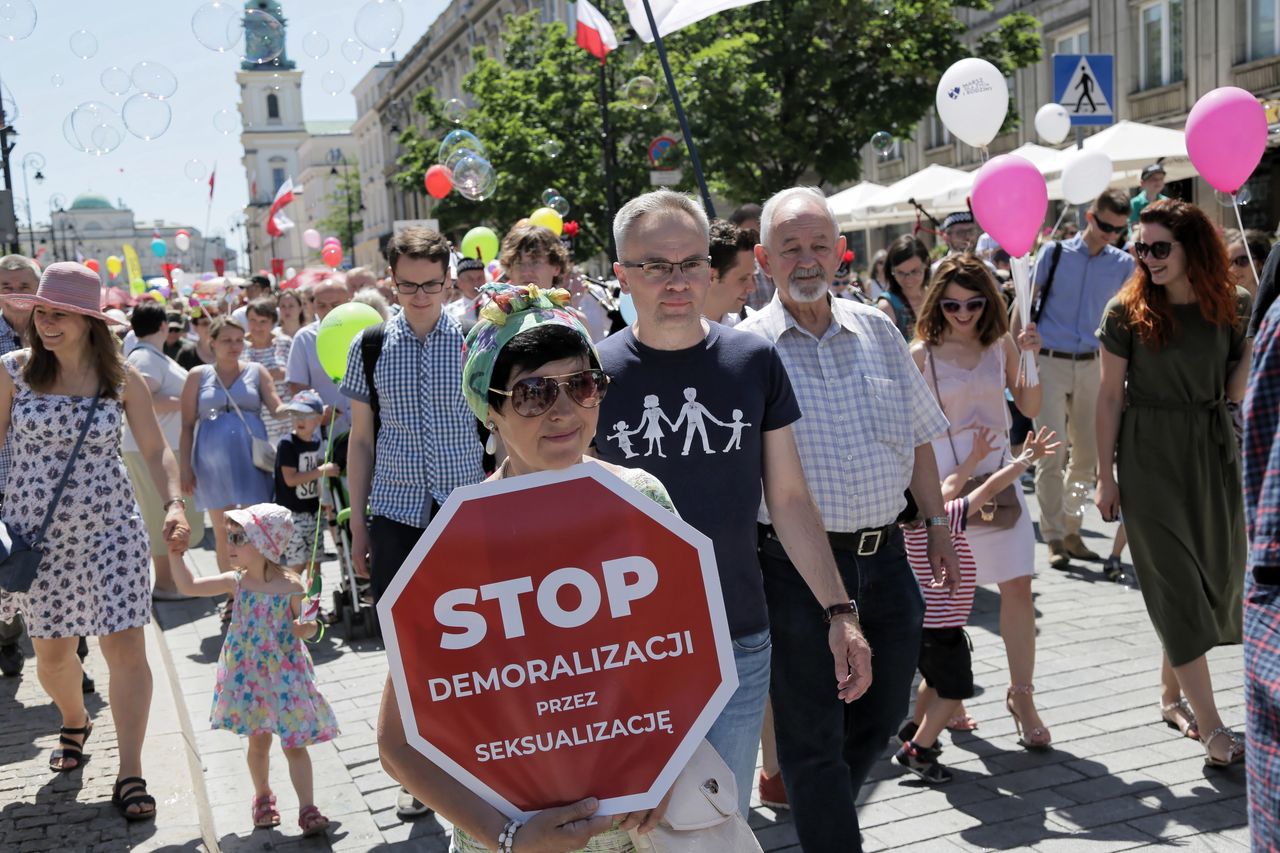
(1084,84)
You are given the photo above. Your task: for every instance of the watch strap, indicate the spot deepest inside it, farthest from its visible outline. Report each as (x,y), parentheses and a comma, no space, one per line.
(840,609)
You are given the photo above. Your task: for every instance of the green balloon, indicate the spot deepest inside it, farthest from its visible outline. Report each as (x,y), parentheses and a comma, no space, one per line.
(480,242)
(338,329)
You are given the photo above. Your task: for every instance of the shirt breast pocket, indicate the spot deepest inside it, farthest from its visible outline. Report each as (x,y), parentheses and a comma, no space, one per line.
(889,415)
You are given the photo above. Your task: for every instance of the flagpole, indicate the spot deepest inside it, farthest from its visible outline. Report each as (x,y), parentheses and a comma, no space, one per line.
(684,122)
(208,214)
(610,191)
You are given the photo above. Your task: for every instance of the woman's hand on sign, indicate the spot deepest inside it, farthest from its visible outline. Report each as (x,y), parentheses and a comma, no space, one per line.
(644,821)
(562,829)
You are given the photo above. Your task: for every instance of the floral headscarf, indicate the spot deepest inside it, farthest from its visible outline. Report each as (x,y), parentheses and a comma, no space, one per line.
(509,310)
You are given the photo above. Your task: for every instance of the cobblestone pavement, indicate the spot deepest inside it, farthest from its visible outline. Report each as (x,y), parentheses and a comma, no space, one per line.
(1116,780)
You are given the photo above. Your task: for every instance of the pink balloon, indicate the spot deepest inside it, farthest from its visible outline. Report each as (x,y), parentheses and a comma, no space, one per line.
(1226,135)
(312,238)
(1009,200)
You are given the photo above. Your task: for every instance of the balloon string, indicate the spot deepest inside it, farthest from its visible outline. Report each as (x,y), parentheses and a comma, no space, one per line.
(1235,205)
(314,585)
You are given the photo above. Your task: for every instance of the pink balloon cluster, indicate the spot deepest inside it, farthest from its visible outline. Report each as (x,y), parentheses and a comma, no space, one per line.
(1009,200)
(1226,137)
(331,252)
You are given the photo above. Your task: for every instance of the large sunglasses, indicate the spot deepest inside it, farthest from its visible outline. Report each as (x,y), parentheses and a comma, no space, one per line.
(972,306)
(1106,228)
(537,394)
(1158,250)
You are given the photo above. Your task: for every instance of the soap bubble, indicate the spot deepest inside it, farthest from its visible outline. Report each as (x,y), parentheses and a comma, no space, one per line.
(474,177)
(84,44)
(94,128)
(548,195)
(454,111)
(145,117)
(57,81)
(263,36)
(641,92)
(332,83)
(17,19)
(1079,495)
(226,121)
(456,140)
(378,24)
(882,140)
(551,148)
(115,80)
(1243,197)
(195,170)
(217,25)
(352,51)
(560,205)
(154,80)
(315,44)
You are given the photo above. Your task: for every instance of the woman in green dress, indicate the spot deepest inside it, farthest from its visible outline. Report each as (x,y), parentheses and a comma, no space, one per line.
(1174,351)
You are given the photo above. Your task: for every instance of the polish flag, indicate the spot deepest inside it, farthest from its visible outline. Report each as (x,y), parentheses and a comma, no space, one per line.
(595,34)
(277,222)
(672,15)
(212,177)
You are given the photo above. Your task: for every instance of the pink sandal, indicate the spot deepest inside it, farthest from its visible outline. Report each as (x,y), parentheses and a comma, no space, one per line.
(311,822)
(265,813)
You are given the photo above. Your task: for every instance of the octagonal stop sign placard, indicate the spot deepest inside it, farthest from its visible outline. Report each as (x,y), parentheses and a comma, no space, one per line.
(557,636)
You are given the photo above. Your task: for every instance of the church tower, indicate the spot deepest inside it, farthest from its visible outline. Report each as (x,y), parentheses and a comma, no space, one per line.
(273,128)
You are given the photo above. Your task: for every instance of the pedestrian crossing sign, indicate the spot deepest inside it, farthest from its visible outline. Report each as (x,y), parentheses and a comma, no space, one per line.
(1084,84)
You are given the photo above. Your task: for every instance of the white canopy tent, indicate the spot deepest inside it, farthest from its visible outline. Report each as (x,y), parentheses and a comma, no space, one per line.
(1131,146)
(893,203)
(847,200)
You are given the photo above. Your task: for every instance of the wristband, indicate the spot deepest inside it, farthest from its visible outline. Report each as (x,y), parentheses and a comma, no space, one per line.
(507,838)
(173,501)
(937,521)
(844,607)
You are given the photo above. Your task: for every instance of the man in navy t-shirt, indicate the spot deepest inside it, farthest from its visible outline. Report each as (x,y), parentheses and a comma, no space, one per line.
(708,411)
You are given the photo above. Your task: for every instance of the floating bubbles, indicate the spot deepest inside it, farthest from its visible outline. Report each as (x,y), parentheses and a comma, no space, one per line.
(115,80)
(882,141)
(1079,496)
(456,141)
(154,80)
(454,111)
(195,170)
(315,44)
(146,117)
(332,83)
(225,121)
(378,24)
(94,128)
(474,177)
(17,19)
(548,195)
(217,25)
(1243,197)
(263,36)
(57,81)
(641,92)
(352,51)
(84,44)
(551,148)
(560,205)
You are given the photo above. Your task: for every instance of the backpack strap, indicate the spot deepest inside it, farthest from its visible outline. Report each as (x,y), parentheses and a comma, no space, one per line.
(370,348)
(1038,307)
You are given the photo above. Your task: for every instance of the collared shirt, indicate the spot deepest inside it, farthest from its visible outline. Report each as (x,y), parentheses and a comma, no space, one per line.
(1139,202)
(866,409)
(1262,445)
(427,444)
(304,369)
(8,343)
(1082,287)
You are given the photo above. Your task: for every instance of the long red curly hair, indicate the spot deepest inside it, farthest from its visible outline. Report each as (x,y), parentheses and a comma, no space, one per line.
(1147,304)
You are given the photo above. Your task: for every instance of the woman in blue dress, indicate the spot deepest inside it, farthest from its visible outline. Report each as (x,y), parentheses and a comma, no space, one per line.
(222,407)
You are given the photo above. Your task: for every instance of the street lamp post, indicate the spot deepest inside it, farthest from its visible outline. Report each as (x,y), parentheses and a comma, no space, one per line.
(336,156)
(33,160)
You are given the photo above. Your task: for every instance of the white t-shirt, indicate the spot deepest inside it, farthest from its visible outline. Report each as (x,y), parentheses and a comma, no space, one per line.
(165,377)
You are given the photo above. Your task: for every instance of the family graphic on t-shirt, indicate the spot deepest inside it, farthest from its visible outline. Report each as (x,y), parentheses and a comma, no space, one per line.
(693,415)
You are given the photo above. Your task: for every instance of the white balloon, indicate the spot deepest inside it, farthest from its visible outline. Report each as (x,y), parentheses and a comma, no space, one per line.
(972,101)
(1085,175)
(1053,123)
(183,242)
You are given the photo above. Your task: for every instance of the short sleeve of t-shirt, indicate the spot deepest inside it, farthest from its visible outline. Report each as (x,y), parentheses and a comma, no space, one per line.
(298,371)
(782,408)
(1114,332)
(300,456)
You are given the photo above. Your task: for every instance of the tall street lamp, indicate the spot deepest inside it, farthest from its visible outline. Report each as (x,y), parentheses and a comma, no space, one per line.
(336,156)
(34,161)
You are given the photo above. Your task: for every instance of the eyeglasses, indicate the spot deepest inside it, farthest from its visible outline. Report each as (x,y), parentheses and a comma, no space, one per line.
(408,288)
(1241,261)
(1107,228)
(953,306)
(901,273)
(660,272)
(537,394)
(240,538)
(1158,250)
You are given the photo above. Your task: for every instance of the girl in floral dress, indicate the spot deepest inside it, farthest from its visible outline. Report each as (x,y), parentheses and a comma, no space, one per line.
(266,683)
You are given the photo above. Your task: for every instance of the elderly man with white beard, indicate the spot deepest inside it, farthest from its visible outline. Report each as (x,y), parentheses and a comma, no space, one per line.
(864,438)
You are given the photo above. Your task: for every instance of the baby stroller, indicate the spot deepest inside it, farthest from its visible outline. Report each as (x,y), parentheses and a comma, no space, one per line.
(352,603)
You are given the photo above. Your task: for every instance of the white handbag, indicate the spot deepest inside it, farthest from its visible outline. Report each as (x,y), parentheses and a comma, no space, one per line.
(702,815)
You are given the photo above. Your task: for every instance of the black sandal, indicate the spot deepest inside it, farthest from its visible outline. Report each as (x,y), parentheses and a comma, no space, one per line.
(72,749)
(123,803)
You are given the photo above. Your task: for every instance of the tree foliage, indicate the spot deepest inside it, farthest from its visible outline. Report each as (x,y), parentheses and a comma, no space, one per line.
(340,220)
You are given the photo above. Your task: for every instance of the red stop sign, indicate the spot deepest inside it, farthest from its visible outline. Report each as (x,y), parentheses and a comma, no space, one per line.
(558,636)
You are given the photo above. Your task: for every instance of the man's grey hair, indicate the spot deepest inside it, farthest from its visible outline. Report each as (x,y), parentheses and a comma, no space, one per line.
(658,201)
(780,198)
(15,263)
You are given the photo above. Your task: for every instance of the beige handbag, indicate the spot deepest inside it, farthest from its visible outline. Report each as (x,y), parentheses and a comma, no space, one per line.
(702,816)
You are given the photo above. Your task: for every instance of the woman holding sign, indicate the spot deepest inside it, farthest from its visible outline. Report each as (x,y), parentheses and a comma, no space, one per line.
(532,376)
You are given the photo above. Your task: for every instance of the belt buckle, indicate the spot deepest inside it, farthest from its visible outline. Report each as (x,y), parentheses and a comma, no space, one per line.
(875,537)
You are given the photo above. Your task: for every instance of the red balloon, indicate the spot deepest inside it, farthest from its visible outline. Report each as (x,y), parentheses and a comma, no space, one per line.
(93,264)
(438,181)
(332,256)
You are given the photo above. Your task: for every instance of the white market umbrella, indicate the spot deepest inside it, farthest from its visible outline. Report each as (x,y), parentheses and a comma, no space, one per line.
(893,203)
(1131,146)
(845,202)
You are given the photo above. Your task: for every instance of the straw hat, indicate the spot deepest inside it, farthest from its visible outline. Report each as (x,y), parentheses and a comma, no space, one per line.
(67,286)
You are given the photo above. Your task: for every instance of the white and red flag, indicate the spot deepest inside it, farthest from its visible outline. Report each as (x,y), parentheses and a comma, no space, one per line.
(672,15)
(277,222)
(595,34)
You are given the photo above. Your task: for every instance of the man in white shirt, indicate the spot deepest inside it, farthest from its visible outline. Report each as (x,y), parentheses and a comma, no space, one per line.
(466,308)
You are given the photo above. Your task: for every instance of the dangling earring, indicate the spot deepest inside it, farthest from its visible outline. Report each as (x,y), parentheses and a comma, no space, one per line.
(491,443)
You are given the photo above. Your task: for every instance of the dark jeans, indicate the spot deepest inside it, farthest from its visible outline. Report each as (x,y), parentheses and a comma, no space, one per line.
(390,541)
(825,747)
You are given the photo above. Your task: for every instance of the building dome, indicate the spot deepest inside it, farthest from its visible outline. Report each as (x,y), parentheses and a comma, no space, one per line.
(92,201)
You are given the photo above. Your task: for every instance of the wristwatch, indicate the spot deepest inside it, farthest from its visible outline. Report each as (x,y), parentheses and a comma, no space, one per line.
(840,609)
(937,521)
(173,501)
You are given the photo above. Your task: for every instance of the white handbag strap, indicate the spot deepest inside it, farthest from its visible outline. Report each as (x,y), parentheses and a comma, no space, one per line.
(230,399)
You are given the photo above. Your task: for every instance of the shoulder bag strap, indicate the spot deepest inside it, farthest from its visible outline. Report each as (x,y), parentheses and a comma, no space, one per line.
(1048,285)
(230,399)
(928,354)
(66,473)
(370,350)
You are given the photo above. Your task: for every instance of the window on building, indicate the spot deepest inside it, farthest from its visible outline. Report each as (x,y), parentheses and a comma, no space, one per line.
(894,152)
(1160,36)
(277,178)
(273,107)
(1262,29)
(938,133)
(1073,41)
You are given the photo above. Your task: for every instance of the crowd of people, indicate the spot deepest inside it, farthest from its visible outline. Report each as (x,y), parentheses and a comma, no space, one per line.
(856,448)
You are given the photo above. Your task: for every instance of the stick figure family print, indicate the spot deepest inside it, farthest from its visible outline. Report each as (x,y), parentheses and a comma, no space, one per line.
(693,416)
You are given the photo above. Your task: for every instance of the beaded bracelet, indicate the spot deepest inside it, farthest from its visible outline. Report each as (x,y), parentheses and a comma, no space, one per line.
(507,838)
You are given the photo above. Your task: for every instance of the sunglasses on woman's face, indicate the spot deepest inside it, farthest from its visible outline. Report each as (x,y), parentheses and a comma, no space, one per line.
(1241,261)
(536,395)
(971,306)
(1158,250)
(238,538)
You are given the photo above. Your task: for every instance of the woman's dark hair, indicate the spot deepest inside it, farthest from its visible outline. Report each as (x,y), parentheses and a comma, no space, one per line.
(900,251)
(727,242)
(148,318)
(971,274)
(264,307)
(532,349)
(41,369)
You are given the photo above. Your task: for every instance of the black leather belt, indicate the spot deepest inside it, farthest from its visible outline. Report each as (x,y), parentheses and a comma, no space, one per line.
(1070,356)
(863,543)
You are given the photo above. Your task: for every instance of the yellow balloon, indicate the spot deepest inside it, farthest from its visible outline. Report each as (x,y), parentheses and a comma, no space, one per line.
(547,218)
(114,265)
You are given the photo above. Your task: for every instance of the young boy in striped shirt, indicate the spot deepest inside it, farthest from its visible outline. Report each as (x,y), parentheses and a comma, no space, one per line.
(946,662)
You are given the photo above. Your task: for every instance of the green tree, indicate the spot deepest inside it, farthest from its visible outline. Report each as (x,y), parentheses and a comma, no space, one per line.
(344,218)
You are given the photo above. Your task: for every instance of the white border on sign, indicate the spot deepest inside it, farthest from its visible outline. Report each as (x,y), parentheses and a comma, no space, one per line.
(715,605)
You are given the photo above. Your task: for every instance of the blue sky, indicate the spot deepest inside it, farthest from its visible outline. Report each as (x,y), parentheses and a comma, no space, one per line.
(151,176)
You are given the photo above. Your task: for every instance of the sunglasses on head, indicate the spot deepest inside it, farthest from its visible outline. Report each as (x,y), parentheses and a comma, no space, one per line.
(1106,228)
(1158,250)
(536,395)
(953,306)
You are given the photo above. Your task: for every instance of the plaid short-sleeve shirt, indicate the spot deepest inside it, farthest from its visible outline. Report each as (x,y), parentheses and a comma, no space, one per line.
(866,409)
(427,445)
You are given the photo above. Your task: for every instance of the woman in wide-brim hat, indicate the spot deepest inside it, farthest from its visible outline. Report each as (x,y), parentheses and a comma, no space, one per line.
(94,577)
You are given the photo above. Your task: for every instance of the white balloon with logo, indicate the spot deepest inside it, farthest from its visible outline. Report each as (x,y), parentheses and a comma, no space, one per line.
(972,101)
